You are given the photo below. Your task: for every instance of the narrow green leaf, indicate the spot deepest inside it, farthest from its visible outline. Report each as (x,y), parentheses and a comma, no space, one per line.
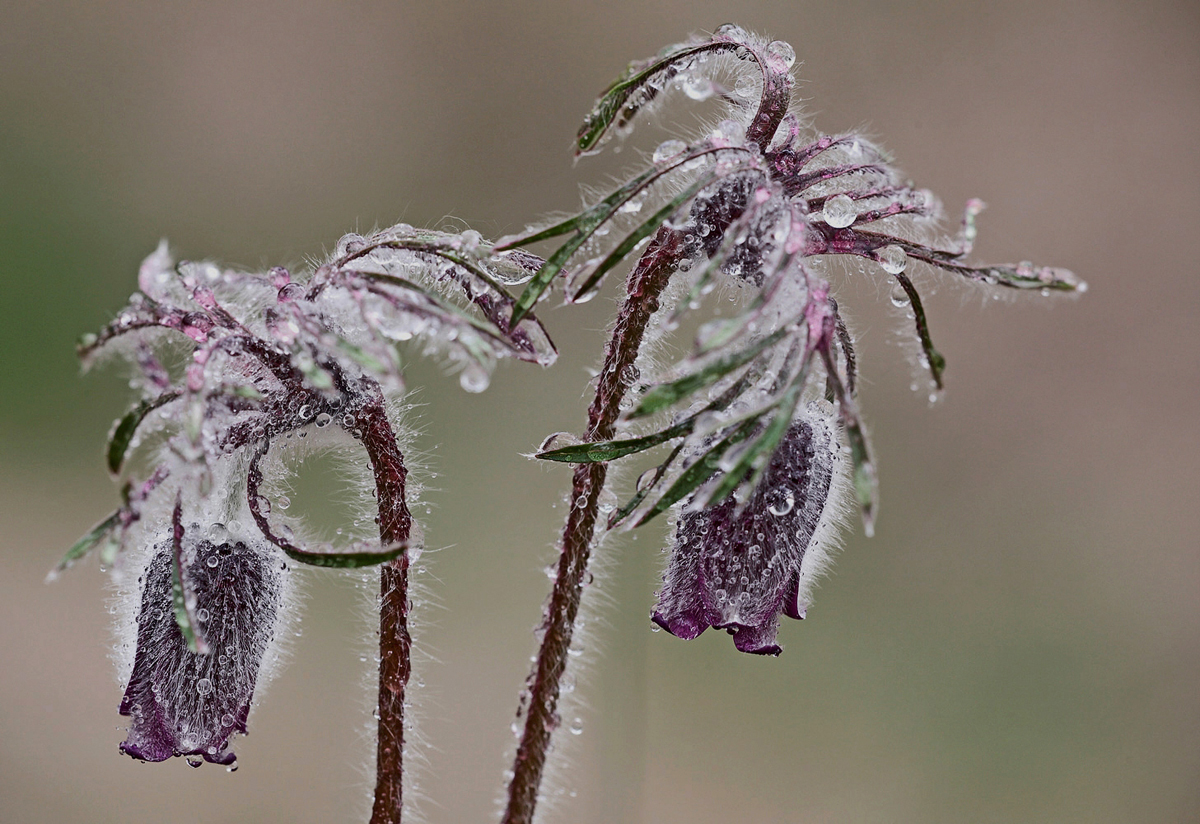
(184,618)
(699,471)
(865,480)
(756,458)
(640,495)
(88,542)
(611,450)
(343,560)
(667,394)
(644,230)
(617,97)
(936,363)
(123,432)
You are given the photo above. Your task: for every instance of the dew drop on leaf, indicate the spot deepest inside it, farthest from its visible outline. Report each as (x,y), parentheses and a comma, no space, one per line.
(668,149)
(840,211)
(892,258)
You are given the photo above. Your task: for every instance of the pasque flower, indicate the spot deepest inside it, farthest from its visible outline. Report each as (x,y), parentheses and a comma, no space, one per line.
(272,358)
(739,566)
(182,702)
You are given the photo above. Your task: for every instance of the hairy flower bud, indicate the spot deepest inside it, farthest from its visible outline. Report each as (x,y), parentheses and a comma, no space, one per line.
(188,703)
(738,567)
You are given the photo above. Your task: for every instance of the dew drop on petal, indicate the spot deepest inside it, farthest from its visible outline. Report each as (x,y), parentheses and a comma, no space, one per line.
(668,149)
(839,211)
(892,258)
(781,505)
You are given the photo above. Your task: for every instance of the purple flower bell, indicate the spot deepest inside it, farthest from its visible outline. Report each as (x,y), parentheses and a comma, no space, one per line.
(190,703)
(737,567)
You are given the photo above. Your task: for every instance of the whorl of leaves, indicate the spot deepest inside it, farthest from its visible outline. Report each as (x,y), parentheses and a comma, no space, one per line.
(757,204)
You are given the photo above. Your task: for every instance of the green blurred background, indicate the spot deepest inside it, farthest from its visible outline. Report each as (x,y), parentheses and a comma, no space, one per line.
(1020,642)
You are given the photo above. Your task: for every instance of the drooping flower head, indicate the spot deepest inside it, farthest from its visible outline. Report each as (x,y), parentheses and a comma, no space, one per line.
(182,702)
(754,209)
(738,566)
(229,364)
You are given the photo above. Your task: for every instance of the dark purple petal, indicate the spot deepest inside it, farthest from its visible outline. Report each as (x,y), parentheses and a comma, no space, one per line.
(185,703)
(739,570)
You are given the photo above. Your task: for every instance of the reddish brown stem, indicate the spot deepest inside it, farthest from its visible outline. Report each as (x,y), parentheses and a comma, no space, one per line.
(371,425)
(644,285)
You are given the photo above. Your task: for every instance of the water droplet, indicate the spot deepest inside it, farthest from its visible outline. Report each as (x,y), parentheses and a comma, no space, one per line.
(839,211)
(474,378)
(697,87)
(204,686)
(892,258)
(645,479)
(201,616)
(558,440)
(899,296)
(324,420)
(577,727)
(745,86)
(668,149)
(226,720)
(212,561)
(730,31)
(232,767)
(283,502)
(630,374)
(781,505)
(193,761)
(631,207)
(782,51)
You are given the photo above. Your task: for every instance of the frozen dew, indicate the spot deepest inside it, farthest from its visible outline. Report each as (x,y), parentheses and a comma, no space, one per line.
(783,52)
(668,149)
(839,211)
(892,258)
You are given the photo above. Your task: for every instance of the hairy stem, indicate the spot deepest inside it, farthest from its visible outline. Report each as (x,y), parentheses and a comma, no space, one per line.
(644,285)
(371,425)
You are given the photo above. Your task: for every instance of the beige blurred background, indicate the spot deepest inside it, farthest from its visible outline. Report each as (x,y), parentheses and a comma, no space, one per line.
(1020,642)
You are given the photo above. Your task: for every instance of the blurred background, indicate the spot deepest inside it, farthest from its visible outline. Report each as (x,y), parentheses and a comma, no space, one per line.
(1020,642)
